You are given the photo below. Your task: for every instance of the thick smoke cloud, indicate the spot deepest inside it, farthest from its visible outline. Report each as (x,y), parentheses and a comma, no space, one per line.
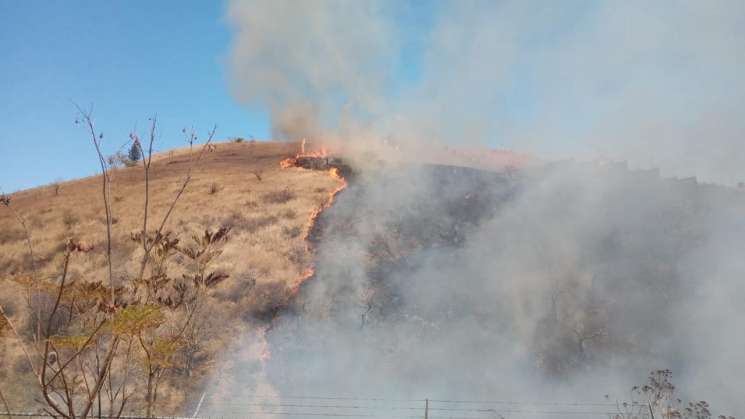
(564,282)
(656,84)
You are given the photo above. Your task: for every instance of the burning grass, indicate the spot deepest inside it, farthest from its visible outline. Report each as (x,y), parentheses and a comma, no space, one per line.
(315,161)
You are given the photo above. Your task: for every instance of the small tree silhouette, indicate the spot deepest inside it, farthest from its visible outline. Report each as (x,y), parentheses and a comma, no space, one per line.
(135,154)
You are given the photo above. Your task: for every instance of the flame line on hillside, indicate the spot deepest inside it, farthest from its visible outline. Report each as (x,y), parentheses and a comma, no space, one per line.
(294,288)
(312,219)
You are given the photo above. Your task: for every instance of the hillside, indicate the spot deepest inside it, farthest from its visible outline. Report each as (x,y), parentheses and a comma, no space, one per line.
(566,282)
(423,280)
(239,186)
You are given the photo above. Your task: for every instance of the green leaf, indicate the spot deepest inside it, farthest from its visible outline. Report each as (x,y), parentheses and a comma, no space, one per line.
(134,319)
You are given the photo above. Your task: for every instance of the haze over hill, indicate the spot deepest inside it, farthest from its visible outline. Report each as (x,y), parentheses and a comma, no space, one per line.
(591,275)
(564,283)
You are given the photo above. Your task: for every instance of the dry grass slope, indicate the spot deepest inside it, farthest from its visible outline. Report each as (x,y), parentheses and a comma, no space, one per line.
(239,185)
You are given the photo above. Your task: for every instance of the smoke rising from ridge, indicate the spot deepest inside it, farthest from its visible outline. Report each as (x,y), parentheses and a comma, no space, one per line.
(563,282)
(657,84)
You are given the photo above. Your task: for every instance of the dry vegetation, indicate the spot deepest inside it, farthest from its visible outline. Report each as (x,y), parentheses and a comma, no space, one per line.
(238,187)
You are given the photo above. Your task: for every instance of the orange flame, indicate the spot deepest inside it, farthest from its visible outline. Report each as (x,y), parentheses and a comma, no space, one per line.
(288,163)
(333,172)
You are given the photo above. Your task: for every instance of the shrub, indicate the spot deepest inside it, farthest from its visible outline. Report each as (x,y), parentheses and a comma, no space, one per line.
(238,140)
(118,159)
(289,213)
(278,197)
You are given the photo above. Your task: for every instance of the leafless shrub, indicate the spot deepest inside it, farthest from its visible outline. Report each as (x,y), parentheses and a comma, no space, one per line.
(119,159)
(289,213)
(251,204)
(278,197)
(657,399)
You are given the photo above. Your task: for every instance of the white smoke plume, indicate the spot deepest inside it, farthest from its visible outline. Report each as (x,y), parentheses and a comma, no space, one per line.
(656,84)
(565,282)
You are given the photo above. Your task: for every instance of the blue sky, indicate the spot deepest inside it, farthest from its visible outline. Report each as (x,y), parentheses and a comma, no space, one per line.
(130,60)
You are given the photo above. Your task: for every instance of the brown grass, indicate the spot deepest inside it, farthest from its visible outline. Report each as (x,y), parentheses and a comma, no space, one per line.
(278,197)
(264,255)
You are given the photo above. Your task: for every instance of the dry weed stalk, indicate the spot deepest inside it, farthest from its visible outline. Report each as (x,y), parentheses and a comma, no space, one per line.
(657,400)
(85,363)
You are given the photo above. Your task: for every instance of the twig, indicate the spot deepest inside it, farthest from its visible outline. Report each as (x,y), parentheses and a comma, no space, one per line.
(184,184)
(106,192)
(7,408)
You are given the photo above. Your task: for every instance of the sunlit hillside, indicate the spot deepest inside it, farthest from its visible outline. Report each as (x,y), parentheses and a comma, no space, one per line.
(239,186)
